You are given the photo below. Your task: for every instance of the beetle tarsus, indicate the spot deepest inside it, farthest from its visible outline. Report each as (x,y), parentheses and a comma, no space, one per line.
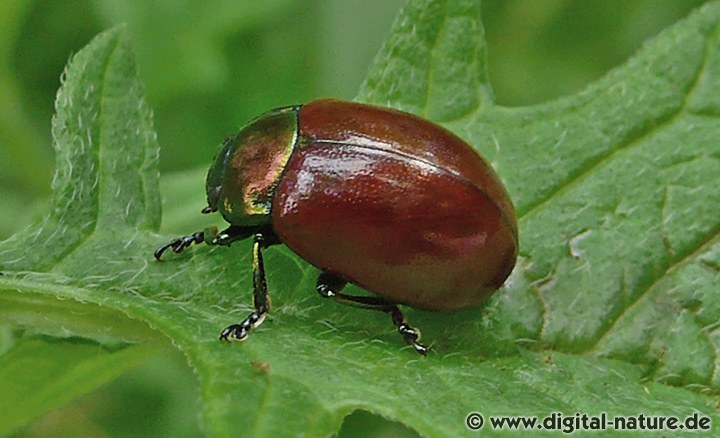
(410,334)
(178,245)
(240,332)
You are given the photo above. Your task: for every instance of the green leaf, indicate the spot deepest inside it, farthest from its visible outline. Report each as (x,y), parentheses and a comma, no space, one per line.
(106,177)
(49,373)
(429,66)
(612,307)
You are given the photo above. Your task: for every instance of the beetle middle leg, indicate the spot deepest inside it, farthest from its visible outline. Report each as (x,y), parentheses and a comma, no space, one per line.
(329,286)
(261,300)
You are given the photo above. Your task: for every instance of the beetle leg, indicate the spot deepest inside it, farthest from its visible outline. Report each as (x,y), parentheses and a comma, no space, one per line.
(410,334)
(210,236)
(261,299)
(178,245)
(329,286)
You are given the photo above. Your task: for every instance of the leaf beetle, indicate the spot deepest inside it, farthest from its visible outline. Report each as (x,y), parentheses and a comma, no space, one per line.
(371,196)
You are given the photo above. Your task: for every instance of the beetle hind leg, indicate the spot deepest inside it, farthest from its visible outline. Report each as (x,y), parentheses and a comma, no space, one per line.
(329,286)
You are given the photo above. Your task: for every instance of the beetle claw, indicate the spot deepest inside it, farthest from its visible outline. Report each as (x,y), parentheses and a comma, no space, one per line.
(159,252)
(420,348)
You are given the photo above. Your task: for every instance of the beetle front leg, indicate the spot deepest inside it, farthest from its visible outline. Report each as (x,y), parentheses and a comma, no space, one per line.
(329,286)
(261,299)
(179,244)
(210,236)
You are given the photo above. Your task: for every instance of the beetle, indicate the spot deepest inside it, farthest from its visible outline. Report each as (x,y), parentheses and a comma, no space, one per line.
(372,196)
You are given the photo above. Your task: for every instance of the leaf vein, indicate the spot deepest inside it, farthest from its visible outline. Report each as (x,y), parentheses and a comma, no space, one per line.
(692,255)
(632,140)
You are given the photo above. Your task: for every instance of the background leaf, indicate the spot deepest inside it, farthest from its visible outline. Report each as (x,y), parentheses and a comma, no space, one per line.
(53,373)
(612,294)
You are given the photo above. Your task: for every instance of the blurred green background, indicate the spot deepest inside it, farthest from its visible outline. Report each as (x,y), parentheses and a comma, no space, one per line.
(209,67)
